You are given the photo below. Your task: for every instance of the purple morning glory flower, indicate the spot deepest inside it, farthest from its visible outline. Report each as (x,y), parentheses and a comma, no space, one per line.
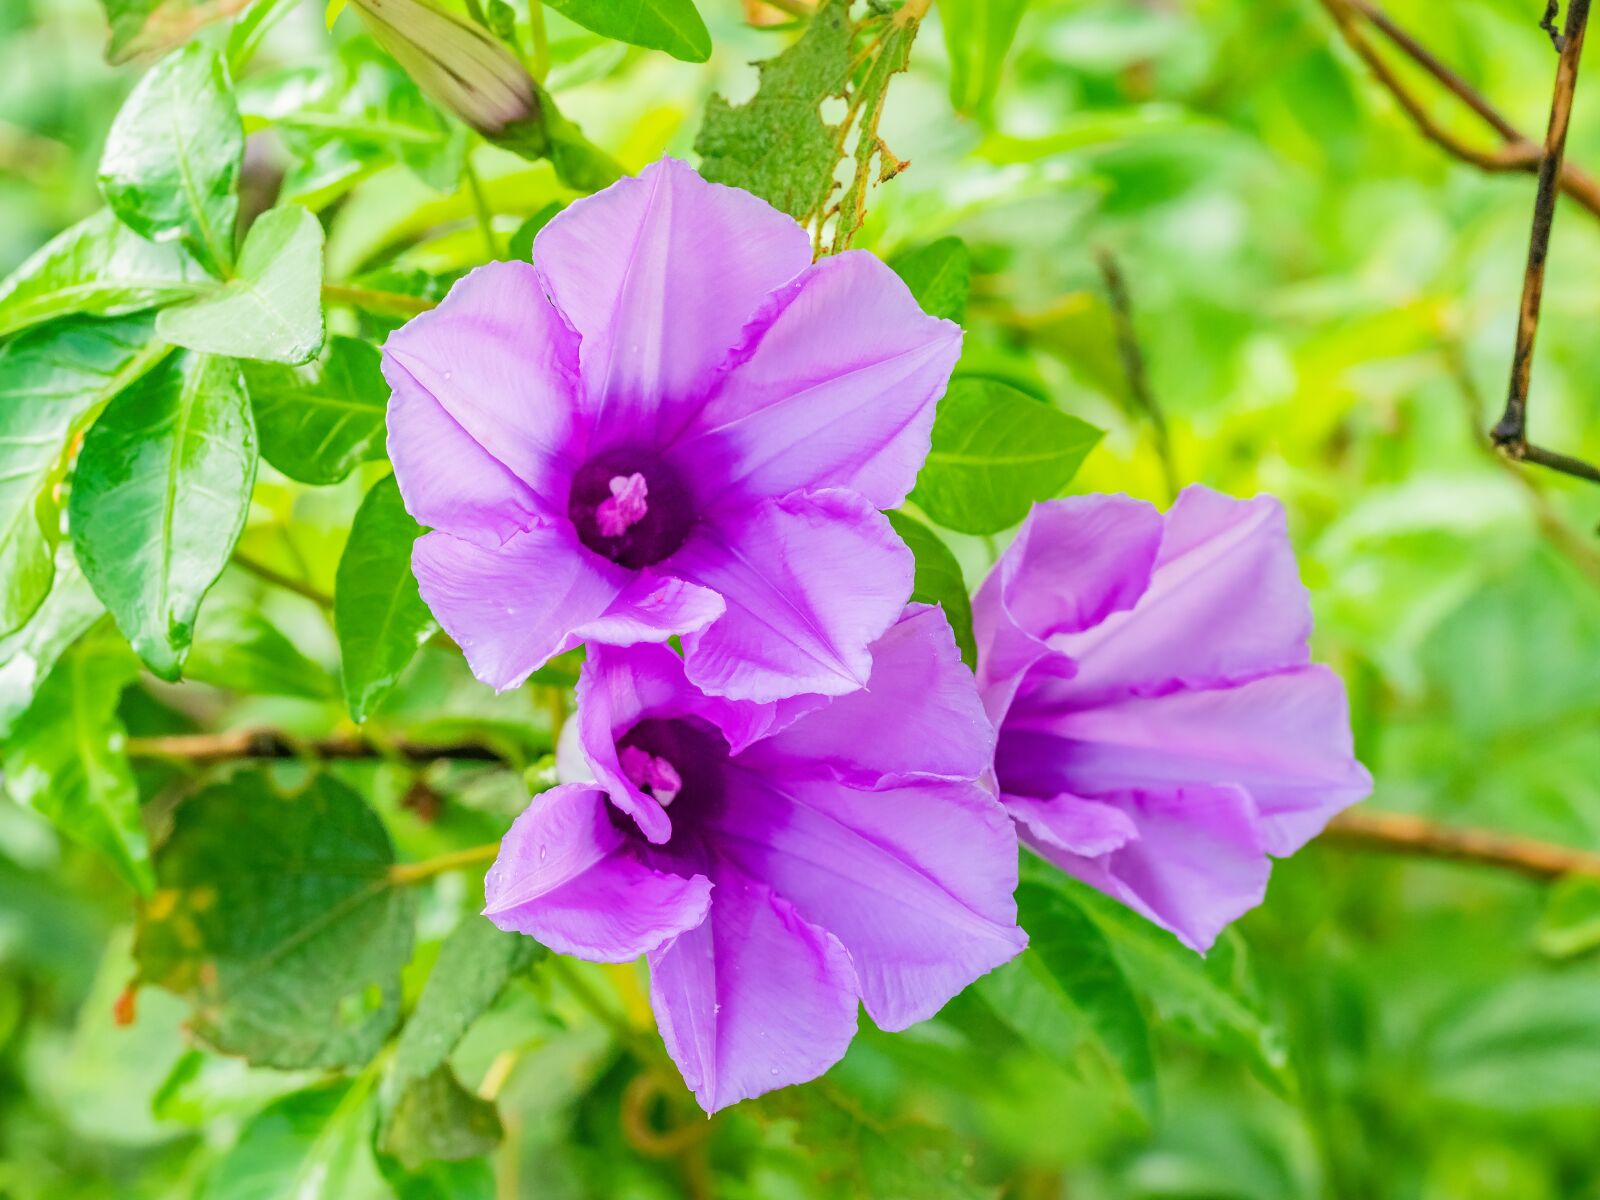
(671,423)
(1162,729)
(776,862)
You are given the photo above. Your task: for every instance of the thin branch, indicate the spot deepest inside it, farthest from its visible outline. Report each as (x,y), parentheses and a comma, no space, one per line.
(1510,432)
(278,579)
(1396,833)
(1133,365)
(1517,151)
(480,205)
(402,874)
(206,748)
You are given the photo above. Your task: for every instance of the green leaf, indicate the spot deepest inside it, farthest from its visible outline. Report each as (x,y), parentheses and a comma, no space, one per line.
(272,308)
(867,98)
(150,26)
(1570,923)
(54,380)
(98,267)
(320,421)
(64,757)
(377,611)
(671,25)
(27,655)
(939,275)
(438,1120)
(521,245)
(978,35)
(311,1145)
(173,156)
(475,963)
(995,452)
(160,496)
(239,649)
(1070,953)
(777,145)
(277,919)
(472,1180)
(938,580)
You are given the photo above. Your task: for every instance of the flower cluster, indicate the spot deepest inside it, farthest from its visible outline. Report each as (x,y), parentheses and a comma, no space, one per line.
(673,424)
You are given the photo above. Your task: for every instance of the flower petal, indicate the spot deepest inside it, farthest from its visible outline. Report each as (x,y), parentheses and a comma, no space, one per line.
(512,608)
(659,274)
(834,386)
(754,999)
(1084,827)
(811,581)
(1224,603)
(568,877)
(653,608)
(918,716)
(917,882)
(500,362)
(1196,865)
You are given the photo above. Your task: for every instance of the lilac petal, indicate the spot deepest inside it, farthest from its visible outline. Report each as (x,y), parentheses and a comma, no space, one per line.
(659,275)
(834,386)
(918,716)
(1224,603)
(1283,738)
(653,608)
(917,882)
(1089,828)
(499,362)
(1196,865)
(566,876)
(811,582)
(449,481)
(754,999)
(512,608)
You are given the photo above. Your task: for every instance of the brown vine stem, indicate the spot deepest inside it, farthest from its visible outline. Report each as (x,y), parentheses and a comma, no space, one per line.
(1133,366)
(1510,433)
(1396,833)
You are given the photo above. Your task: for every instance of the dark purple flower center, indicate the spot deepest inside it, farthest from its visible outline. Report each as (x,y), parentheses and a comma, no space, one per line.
(681,762)
(630,507)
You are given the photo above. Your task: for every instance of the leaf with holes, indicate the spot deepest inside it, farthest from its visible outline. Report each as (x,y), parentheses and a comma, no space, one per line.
(995,452)
(320,421)
(272,308)
(172,159)
(159,498)
(276,918)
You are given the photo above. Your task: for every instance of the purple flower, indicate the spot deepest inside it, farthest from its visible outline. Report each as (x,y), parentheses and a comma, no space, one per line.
(1162,729)
(672,423)
(775,861)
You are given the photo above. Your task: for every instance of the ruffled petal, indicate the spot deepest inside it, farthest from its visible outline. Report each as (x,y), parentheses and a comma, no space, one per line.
(1197,864)
(1284,738)
(754,999)
(917,882)
(811,581)
(1224,603)
(834,386)
(498,361)
(1089,828)
(659,274)
(918,717)
(512,608)
(653,608)
(566,876)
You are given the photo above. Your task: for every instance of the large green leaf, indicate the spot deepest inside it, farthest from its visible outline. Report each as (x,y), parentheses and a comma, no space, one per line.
(995,452)
(172,159)
(939,275)
(320,421)
(938,580)
(159,498)
(311,1145)
(143,26)
(377,611)
(272,308)
(53,381)
(978,35)
(98,267)
(276,917)
(239,649)
(27,655)
(63,758)
(776,144)
(671,25)
(437,1120)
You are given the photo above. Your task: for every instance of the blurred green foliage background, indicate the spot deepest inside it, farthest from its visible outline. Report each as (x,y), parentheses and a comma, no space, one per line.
(1325,302)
